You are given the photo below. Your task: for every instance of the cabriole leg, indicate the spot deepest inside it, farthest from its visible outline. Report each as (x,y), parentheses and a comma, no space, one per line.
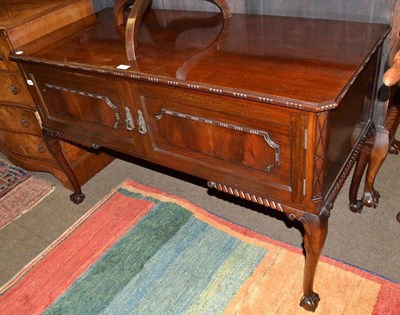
(378,155)
(316,229)
(356,205)
(53,144)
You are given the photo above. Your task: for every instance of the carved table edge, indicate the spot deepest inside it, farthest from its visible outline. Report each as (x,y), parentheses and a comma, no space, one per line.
(70,138)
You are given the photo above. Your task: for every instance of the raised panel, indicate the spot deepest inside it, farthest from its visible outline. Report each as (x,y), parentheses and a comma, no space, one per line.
(89,107)
(258,149)
(233,143)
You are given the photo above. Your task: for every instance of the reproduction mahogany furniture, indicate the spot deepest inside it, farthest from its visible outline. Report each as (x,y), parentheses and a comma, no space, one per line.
(270,109)
(21,137)
(383,139)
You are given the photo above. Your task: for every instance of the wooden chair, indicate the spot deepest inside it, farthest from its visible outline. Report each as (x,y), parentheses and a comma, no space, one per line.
(383,141)
(136,13)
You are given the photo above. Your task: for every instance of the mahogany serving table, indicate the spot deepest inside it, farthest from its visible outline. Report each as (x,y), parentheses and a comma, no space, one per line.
(270,109)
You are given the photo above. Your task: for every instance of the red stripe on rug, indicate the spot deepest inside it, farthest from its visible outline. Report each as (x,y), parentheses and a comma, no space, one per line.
(388,299)
(68,261)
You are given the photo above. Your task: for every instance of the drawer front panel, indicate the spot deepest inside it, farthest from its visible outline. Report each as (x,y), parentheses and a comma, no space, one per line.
(30,146)
(6,64)
(241,145)
(89,107)
(14,118)
(13,89)
(257,145)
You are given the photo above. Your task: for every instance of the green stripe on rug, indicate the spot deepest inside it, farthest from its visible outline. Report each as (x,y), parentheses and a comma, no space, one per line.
(91,293)
(155,289)
(169,263)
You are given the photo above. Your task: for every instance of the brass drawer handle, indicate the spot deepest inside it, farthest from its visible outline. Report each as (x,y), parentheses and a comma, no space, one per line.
(141,123)
(14,89)
(130,125)
(25,122)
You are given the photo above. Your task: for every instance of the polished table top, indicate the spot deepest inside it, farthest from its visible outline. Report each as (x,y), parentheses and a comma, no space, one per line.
(303,63)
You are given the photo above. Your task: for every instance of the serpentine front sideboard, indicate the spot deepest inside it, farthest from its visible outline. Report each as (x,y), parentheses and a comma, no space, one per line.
(270,109)
(21,137)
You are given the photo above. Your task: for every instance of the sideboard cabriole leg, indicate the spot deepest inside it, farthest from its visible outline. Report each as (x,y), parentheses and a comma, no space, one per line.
(53,144)
(356,205)
(378,155)
(316,230)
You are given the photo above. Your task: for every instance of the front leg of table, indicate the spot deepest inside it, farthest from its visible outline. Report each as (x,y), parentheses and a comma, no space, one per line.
(316,229)
(53,144)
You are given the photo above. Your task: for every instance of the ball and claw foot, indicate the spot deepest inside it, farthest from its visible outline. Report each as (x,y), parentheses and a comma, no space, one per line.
(77,198)
(395,147)
(371,199)
(357,206)
(310,303)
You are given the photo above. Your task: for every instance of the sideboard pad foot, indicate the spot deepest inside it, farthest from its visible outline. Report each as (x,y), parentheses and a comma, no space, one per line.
(310,303)
(77,198)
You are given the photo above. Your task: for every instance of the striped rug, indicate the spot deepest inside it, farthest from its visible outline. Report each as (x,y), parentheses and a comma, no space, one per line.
(19,192)
(142,251)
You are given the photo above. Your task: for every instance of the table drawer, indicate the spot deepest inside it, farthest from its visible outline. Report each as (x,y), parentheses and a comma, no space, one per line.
(18,119)
(30,146)
(6,64)
(13,89)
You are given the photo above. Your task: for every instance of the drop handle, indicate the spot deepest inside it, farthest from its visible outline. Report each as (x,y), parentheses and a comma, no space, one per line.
(141,123)
(14,89)
(130,125)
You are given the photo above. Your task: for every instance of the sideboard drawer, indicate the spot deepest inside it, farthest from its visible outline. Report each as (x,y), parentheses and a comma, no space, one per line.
(5,64)
(18,119)
(13,89)
(226,142)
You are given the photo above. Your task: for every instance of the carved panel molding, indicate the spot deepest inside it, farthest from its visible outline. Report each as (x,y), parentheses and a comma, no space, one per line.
(264,134)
